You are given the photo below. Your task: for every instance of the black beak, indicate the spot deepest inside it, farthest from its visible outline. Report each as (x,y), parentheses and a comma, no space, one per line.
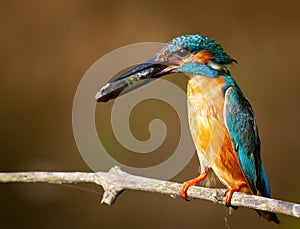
(134,78)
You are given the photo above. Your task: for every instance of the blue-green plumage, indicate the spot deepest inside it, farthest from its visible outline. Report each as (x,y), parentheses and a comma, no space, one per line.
(198,69)
(241,124)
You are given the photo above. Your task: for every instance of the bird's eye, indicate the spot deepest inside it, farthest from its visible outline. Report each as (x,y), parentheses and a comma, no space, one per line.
(183,52)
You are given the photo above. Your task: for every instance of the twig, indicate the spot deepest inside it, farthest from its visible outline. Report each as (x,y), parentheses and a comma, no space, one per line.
(115,181)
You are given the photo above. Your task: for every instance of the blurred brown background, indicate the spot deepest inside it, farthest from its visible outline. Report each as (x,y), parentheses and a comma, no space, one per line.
(47,46)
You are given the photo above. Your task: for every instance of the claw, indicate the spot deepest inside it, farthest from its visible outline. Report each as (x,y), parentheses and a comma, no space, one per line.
(229,192)
(185,186)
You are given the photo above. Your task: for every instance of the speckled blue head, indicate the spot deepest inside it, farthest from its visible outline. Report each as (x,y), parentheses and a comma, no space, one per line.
(195,43)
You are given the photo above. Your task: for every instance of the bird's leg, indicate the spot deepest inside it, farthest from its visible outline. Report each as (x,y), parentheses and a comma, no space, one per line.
(229,192)
(185,186)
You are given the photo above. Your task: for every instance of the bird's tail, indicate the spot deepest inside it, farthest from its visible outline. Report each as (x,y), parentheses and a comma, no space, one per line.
(270,216)
(264,190)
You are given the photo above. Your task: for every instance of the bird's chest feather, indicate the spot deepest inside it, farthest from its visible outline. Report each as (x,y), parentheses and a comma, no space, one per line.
(205,109)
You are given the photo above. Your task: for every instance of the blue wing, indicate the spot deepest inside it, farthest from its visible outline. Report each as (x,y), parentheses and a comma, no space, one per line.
(240,122)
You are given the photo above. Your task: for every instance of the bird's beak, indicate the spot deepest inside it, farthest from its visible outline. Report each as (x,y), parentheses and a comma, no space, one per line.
(135,78)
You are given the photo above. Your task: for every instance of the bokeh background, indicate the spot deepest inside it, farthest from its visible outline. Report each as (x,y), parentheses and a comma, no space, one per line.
(47,46)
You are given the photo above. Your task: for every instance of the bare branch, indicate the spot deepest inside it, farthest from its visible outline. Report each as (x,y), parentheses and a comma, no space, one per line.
(115,181)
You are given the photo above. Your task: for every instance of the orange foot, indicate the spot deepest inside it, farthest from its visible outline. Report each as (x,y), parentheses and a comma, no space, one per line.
(185,186)
(229,192)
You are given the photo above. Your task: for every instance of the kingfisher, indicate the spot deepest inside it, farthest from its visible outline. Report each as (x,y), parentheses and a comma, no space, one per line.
(221,118)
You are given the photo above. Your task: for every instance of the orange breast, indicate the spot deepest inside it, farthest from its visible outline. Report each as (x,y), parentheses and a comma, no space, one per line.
(227,167)
(210,135)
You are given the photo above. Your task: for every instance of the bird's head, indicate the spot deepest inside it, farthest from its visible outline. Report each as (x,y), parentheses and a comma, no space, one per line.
(190,54)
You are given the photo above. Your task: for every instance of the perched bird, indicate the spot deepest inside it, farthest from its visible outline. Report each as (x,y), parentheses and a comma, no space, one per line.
(221,118)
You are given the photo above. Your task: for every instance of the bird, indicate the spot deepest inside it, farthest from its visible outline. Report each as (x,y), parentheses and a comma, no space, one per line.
(221,118)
